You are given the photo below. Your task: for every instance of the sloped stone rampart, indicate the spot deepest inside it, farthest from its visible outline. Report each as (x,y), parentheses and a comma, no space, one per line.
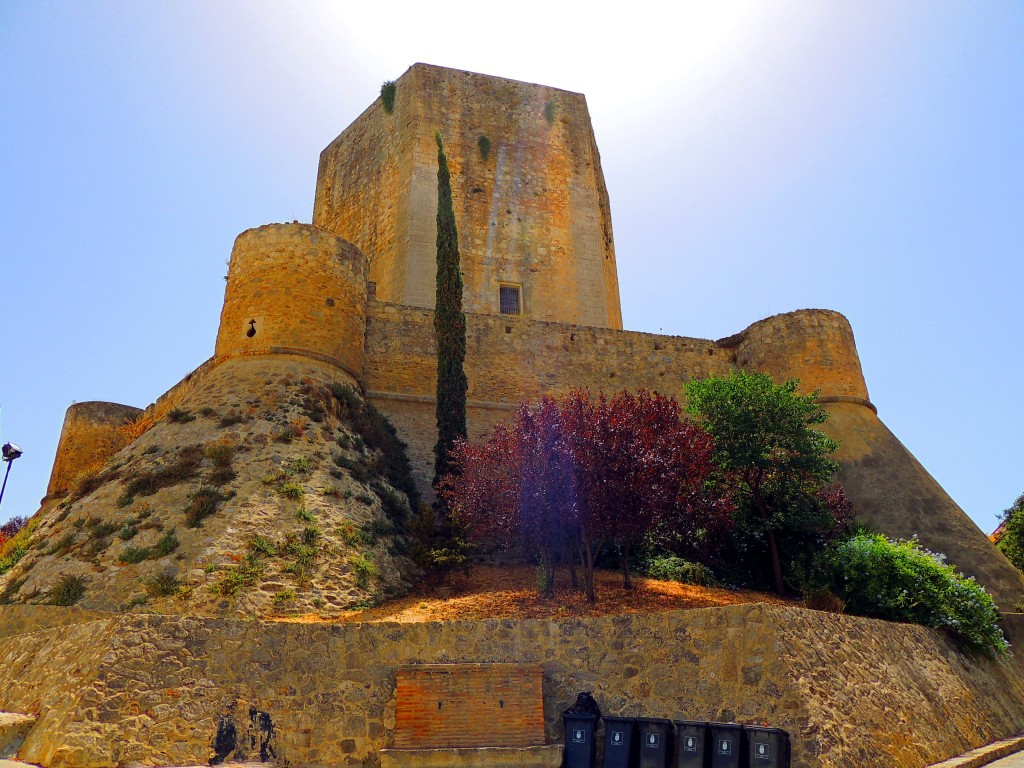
(852,691)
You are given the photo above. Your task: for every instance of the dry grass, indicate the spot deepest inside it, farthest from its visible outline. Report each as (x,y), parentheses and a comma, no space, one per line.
(133,429)
(511,592)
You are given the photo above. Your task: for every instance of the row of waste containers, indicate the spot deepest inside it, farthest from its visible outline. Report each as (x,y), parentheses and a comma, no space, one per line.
(652,742)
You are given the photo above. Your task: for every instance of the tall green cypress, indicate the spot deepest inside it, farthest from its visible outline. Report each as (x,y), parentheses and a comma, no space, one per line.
(449,324)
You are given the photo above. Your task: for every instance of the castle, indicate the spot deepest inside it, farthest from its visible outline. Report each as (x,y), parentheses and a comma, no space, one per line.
(184,532)
(355,291)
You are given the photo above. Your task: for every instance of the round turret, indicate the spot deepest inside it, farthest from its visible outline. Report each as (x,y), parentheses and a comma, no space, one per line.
(295,289)
(815,346)
(90,436)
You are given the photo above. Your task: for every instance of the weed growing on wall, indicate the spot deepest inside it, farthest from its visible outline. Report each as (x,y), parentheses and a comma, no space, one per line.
(179,416)
(364,569)
(68,591)
(201,505)
(387,456)
(484,145)
(387,95)
(549,112)
(163,585)
(145,483)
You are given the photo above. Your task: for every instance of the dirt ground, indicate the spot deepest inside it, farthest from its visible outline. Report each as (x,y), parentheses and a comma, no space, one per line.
(511,591)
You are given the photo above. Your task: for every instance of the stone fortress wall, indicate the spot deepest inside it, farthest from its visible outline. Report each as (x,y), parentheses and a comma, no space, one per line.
(355,290)
(129,688)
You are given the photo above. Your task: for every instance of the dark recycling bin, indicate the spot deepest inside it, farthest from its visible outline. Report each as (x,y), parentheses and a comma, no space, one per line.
(619,741)
(726,745)
(579,740)
(767,747)
(655,736)
(692,742)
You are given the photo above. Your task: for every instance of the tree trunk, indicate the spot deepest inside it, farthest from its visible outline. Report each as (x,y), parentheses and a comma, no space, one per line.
(627,583)
(569,558)
(588,567)
(773,547)
(549,573)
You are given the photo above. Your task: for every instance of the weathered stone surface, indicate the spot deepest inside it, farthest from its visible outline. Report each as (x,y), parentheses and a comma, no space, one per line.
(153,689)
(533,213)
(13,727)
(243,409)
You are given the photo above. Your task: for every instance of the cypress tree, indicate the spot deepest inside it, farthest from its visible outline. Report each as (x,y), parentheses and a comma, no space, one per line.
(449,324)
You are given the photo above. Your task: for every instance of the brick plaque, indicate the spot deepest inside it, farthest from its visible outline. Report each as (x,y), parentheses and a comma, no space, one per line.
(469,705)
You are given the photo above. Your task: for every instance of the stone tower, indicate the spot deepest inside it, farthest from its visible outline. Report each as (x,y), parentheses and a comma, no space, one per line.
(535,229)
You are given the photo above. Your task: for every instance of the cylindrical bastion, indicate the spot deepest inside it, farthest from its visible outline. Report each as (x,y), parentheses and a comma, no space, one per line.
(815,346)
(90,436)
(295,289)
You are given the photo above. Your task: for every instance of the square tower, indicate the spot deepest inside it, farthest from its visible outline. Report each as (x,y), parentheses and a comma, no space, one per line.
(535,231)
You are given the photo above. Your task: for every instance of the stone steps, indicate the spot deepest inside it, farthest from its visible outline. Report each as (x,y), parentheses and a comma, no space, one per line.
(13,730)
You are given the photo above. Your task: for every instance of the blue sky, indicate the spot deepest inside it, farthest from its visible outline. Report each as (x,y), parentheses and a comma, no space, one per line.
(761,157)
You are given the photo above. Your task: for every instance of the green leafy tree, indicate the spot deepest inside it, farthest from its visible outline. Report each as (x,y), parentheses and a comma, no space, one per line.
(776,466)
(449,325)
(1011,543)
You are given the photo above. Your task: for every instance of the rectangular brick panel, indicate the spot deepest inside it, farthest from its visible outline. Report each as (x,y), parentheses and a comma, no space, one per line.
(469,705)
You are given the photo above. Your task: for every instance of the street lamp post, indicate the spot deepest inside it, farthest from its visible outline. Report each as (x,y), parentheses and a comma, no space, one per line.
(10,453)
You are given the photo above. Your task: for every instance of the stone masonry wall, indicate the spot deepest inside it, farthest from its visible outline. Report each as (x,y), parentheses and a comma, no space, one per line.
(534,212)
(151,689)
(513,360)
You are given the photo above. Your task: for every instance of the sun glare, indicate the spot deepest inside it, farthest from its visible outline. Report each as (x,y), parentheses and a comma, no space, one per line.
(636,54)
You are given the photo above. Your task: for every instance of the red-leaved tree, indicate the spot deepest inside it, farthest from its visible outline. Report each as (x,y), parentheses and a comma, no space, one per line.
(641,466)
(581,472)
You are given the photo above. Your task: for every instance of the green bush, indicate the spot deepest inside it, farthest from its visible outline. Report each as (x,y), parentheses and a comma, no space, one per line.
(484,145)
(201,505)
(69,590)
(163,585)
(672,568)
(133,555)
(364,569)
(12,550)
(902,581)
